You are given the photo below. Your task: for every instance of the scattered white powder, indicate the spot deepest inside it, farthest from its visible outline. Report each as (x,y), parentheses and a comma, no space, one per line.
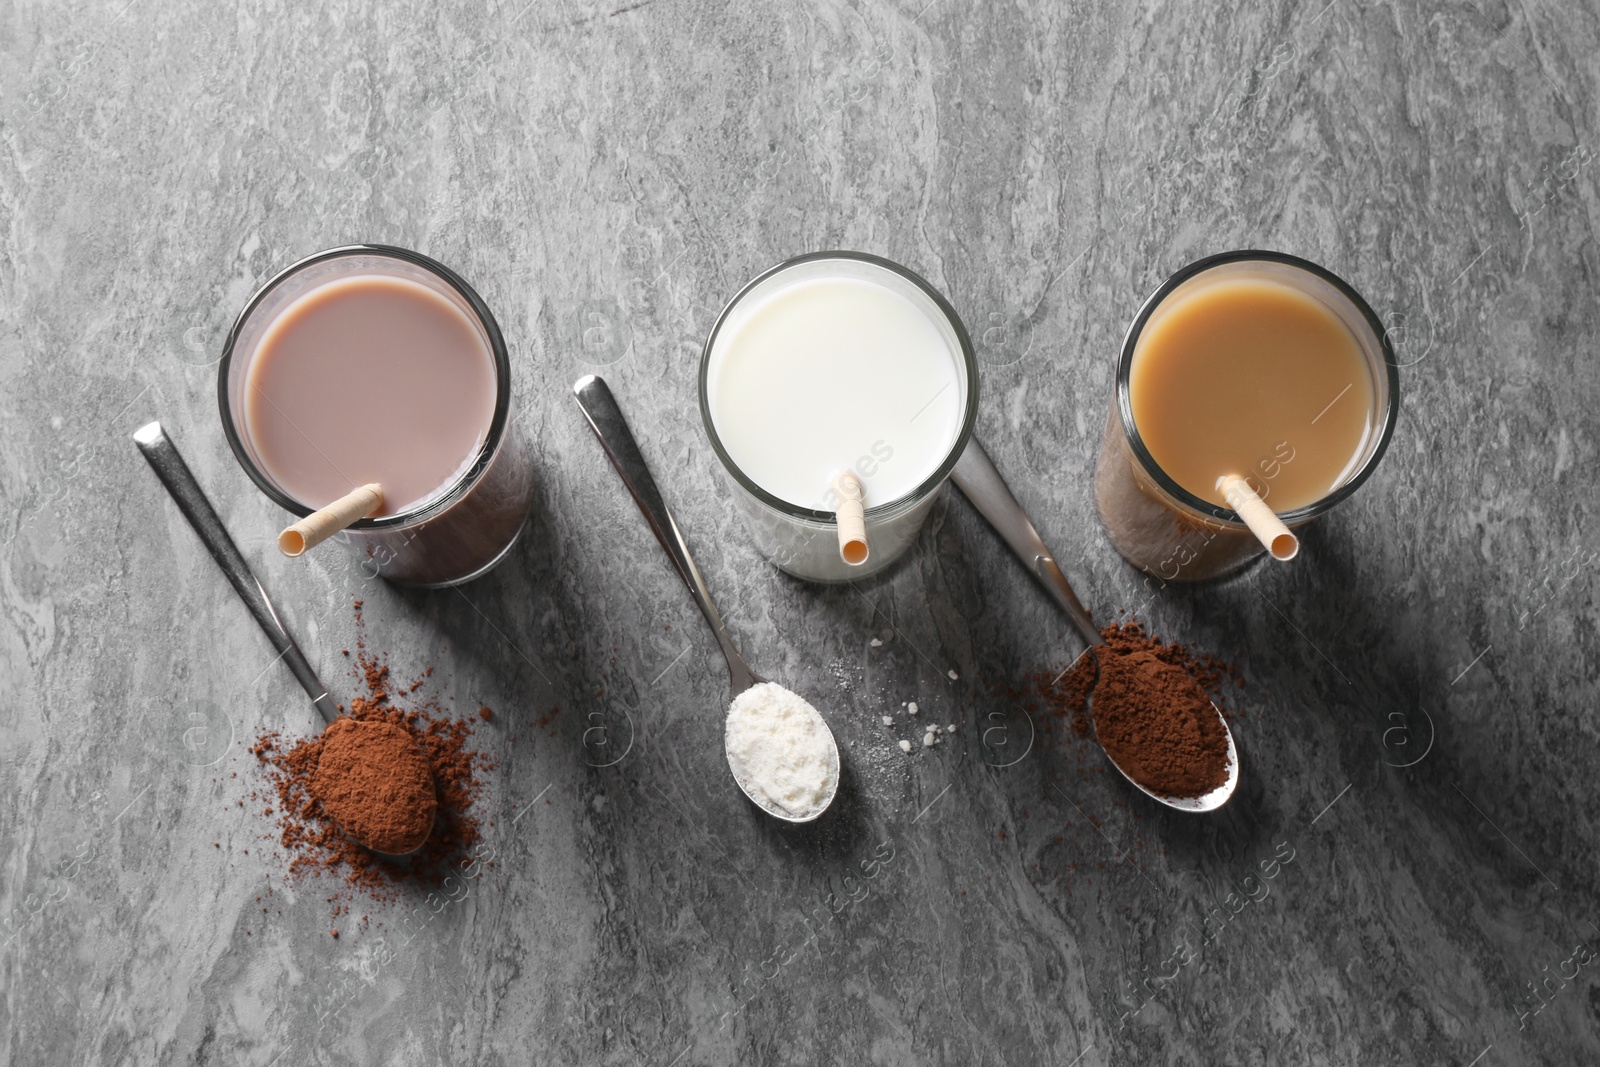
(843,673)
(912,707)
(780,749)
(954,677)
(905,746)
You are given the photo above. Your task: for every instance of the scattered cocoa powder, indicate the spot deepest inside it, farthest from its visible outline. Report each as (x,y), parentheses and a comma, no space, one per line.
(1153,709)
(313,840)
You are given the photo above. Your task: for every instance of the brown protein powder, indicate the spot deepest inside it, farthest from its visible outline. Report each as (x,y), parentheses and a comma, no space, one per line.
(1153,710)
(375,782)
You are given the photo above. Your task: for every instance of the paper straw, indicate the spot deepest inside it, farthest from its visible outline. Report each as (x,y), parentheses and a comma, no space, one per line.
(324,523)
(1262,520)
(852,516)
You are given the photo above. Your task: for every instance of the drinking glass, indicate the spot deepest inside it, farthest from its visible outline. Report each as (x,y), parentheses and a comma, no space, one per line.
(1170,533)
(462,530)
(804,541)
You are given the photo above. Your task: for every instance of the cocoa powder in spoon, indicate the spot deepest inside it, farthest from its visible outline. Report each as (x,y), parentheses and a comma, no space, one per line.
(312,841)
(1153,710)
(375,782)
(1158,725)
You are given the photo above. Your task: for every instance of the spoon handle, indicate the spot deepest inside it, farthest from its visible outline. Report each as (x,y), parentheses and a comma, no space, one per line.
(174,473)
(605,419)
(975,475)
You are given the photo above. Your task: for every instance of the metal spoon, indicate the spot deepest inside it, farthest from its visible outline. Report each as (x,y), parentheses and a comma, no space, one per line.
(180,482)
(605,418)
(976,476)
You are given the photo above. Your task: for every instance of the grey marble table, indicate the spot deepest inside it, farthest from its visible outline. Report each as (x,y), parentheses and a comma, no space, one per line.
(1419,719)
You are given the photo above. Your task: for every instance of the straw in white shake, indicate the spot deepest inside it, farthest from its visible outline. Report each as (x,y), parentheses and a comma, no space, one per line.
(852,517)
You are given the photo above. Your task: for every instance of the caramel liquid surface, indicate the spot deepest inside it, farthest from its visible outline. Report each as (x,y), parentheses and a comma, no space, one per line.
(1251,377)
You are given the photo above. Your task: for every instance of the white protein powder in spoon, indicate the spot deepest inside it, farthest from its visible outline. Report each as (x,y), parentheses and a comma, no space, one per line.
(780,749)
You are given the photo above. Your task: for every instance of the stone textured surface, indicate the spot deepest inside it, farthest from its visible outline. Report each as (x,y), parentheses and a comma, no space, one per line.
(607,175)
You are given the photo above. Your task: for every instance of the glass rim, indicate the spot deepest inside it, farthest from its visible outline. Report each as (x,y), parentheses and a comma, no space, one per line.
(1389,413)
(470,471)
(968,358)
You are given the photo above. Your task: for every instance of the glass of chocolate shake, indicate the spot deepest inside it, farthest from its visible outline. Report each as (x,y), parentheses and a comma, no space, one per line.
(375,364)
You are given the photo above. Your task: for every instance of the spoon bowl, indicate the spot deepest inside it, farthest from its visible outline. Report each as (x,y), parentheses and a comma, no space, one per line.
(980,482)
(605,419)
(767,804)
(1204,802)
(402,859)
(374,781)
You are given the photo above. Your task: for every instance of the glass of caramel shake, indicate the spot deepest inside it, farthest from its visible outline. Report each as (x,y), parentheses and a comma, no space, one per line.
(1252,364)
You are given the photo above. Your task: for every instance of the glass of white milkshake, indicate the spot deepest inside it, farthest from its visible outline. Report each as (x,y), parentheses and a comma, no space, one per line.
(837,362)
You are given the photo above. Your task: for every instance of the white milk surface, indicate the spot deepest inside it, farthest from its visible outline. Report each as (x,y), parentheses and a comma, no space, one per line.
(830,374)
